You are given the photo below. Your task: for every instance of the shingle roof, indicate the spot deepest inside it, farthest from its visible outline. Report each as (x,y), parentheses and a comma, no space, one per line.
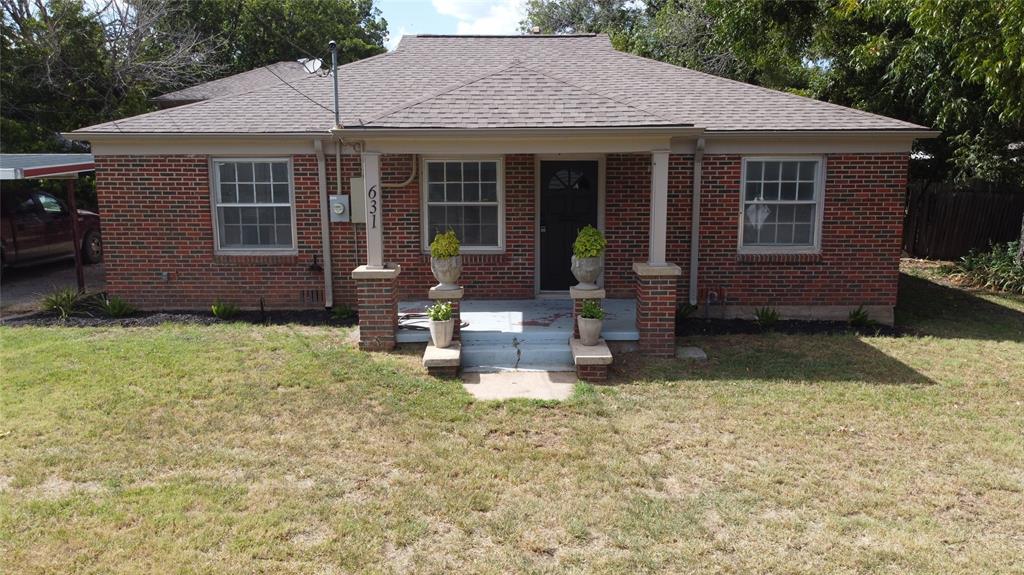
(506,81)
(261,77)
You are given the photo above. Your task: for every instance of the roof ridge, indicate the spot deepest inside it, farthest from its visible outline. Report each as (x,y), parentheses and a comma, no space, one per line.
(595,93)
(440,92)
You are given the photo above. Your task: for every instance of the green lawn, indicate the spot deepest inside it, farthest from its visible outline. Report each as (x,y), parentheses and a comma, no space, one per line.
(241,449)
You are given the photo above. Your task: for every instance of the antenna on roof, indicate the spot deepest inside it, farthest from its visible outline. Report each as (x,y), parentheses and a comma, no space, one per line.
(334,72)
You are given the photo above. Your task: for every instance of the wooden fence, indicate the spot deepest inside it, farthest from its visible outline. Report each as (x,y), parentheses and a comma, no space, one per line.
(945,221)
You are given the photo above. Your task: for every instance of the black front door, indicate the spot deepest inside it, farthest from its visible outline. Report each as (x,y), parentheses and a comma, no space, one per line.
(568,201)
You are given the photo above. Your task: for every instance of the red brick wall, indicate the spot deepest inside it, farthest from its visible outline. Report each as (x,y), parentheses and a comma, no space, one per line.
(156,218)
(860,242)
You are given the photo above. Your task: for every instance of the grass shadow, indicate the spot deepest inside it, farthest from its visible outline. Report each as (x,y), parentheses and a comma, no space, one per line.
(929,308)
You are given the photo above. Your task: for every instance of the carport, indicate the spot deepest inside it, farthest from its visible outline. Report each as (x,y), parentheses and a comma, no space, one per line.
(53,167)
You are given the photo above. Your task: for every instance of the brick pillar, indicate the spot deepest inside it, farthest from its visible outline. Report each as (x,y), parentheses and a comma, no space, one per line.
(377,292)
(656,308)
(454,297)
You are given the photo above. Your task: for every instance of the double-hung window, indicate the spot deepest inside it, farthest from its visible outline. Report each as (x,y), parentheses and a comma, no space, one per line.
(464,196)
(254,208)
(781,205)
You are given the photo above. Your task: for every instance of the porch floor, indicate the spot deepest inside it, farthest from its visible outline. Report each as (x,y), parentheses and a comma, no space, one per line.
(522,317)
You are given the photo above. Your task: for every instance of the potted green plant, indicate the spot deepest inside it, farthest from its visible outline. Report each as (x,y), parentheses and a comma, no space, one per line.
(587,260)
(442,325)
(590,320)
(445,261)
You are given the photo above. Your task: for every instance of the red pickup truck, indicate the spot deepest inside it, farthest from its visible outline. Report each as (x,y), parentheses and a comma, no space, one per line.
(36,227)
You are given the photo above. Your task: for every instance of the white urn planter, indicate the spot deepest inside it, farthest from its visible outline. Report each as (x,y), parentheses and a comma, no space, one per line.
(446,271)
(441,332)
(587,270)
(590,330)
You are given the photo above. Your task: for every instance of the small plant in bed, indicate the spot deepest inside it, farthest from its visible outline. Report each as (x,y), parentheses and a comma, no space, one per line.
(63,302)
(860,319)
(343,313)
(113,306)
(995,269)
(224,310)
(766,317)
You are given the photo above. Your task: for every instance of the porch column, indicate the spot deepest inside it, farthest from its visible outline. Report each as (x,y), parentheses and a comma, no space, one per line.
(659,208)
(376,283)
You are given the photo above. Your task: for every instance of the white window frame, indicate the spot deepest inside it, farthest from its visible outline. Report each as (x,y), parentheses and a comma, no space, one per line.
(819,208)
(214,203)
(424,224)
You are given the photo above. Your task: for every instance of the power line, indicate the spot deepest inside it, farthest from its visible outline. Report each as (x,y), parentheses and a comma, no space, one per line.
(298,91)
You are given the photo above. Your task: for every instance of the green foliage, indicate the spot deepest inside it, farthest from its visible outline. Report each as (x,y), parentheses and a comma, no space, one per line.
(685,310)
(440,311)
(766,317)
(860,318)
(64,302)
(445,245)
(995,269)
(113,306)
(591,309)
(342,312)
(589,243)
(224,310)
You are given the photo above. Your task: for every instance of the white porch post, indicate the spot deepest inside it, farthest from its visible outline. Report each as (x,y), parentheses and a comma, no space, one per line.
(659,208)
(372,202)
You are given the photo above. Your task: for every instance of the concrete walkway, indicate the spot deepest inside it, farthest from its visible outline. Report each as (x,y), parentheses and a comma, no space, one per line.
(551,385)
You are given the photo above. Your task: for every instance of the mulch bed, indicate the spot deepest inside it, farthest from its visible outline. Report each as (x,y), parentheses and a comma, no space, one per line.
(147,319)
(701,326)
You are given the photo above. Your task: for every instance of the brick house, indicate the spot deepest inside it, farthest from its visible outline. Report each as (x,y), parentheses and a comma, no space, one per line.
(710,192)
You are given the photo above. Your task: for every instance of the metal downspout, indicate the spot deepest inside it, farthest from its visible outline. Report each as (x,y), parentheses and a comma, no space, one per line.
(698,159)
(325,226)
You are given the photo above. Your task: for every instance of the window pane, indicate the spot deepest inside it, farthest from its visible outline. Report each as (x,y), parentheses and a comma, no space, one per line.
(227,172)
(488,171)
(489,215)
(283,216)
(263,194)
(265,215)
(802,234)
(471,215)
(749,234)
(453,192)
(471,171)
(435,221)
(771,171)
(453,171)
(281,193)
(230,215)
(280,171)
(262,172)
(767,235)
(435,171)
(268,236)
(785,213)
(232,236)
(754,171)
(806,191)
(785,234)
(453,217)
(435,192)
(228,193)
(807,170)
(284,235)
(248,215)
(246,193)
(250,235)
(788,191)
(804,214)
(244,171)
(471,192)
(471,235)
(489,192)
(753,191)
(771,191)
(489,235)
(789,170)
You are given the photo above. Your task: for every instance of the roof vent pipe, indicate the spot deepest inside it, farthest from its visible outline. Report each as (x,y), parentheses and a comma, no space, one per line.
(334,72)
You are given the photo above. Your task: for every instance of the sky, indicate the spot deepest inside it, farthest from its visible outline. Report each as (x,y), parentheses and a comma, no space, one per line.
(450,17)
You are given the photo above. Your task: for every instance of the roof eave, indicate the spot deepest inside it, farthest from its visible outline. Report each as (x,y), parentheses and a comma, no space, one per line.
(674,130)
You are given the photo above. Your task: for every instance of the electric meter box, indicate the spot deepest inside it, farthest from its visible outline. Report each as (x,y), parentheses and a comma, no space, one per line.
(358,207)
(339,206)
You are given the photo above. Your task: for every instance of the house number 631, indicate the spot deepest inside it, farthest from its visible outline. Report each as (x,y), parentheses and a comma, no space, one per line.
(371,195)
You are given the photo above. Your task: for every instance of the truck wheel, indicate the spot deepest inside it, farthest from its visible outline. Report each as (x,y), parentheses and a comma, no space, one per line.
(92,247)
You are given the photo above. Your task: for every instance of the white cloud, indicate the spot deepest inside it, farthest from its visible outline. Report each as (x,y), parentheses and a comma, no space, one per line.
(482,16)
(394,38)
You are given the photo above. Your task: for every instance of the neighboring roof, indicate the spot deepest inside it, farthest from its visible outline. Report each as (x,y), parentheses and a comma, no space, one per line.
(31,166)
(469,82)
(262,77)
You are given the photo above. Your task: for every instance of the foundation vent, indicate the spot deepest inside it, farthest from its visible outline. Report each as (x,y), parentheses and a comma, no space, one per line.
(311,296)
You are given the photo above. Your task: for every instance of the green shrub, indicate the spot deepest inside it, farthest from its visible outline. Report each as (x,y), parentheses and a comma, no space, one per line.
(589,243)
(114,306)
(766,316)
(685,310)
(859,318)
(342,312)
(445,245)
(995,269)
(224,310)
(591,309)
(63,301)
(440,311)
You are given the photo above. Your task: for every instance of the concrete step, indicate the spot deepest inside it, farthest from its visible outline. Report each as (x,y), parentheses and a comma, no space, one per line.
(546,356)
(507,338)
